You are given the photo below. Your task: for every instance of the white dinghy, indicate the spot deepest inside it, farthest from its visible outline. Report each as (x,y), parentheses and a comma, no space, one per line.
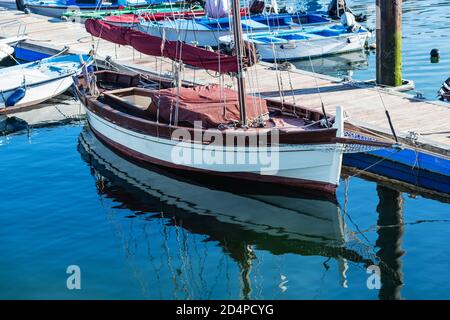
(32,83)
(300,44)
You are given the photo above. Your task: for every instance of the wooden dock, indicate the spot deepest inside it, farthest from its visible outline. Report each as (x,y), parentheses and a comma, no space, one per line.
(364,104)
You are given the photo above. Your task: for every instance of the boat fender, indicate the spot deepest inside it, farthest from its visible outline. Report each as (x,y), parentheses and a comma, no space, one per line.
(444,90)
(15,97)
(435,53)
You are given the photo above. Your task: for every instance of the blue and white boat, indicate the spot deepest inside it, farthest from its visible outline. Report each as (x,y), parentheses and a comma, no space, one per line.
(56,8)
(32,83)
(207,31)
(300,44)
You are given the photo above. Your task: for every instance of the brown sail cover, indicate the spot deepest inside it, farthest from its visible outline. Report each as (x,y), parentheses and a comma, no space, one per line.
(212,105)
(156,46)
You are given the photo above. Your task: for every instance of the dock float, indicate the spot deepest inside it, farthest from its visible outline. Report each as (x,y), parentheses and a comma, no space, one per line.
(423,127)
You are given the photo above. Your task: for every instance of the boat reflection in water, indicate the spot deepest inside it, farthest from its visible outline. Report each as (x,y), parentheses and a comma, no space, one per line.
(335,65)
(239,218)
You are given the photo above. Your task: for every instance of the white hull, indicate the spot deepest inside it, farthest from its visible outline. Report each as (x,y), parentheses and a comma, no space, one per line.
(316,164)
(197,37)
(277,216)
(39,93)
(311,48)
(54,12)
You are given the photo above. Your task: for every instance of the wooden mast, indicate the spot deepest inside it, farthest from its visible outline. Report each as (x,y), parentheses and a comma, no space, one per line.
(239,47)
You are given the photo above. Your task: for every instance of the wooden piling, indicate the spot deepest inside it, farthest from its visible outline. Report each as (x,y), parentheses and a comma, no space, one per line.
(389,242)
(389,42)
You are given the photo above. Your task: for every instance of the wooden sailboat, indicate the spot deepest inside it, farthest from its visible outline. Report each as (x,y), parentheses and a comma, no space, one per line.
(239,136)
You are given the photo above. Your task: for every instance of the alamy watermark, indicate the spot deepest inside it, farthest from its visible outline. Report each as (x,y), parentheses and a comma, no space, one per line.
(374,280)
(257,149)
(74,280)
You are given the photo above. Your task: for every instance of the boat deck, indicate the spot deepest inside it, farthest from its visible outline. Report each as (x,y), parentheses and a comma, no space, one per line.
(363,103)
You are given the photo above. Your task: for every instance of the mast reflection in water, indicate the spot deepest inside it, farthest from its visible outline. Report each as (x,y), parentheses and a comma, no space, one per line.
(241,219)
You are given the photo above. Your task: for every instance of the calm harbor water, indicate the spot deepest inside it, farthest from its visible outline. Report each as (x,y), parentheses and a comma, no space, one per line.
(142,234)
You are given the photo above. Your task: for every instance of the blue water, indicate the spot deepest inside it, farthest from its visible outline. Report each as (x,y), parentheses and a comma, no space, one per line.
(61,207)
(56,212)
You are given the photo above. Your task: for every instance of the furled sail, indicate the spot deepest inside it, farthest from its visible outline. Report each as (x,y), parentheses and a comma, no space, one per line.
(175,50)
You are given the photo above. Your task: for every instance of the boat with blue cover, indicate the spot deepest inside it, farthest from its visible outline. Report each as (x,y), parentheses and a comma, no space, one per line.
(301,44)
(32,83)
(207,31)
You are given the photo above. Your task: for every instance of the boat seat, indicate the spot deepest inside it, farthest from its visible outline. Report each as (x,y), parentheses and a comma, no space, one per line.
(117,79)
(133,101)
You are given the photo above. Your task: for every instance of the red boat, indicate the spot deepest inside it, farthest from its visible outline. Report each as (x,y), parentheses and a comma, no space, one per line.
(130,19)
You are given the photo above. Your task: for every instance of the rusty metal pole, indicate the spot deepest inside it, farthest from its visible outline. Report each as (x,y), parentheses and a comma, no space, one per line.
(389,42)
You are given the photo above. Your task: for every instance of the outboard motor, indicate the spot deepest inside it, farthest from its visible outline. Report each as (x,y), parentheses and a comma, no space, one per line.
(444,91)
(348,20)
(20,5)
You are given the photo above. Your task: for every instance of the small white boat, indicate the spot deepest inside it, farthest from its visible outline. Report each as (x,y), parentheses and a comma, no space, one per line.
(32,83)
(301,44)
(207,31)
